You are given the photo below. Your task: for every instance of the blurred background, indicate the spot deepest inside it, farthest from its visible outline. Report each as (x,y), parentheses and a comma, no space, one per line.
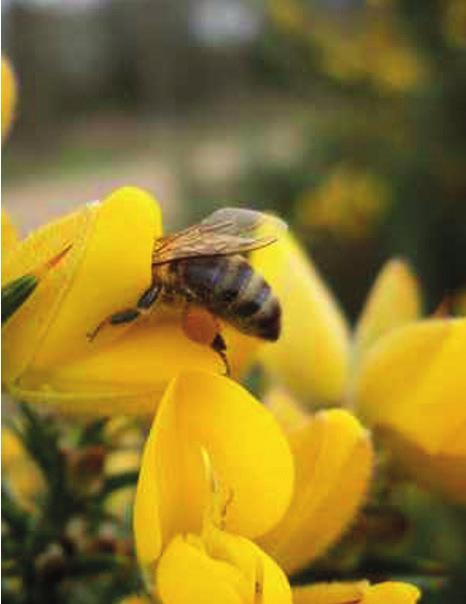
(345,116)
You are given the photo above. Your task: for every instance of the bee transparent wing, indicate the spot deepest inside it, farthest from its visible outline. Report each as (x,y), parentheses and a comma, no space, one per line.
(225,232)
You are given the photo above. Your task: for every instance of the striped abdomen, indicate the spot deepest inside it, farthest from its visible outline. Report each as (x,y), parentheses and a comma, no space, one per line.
(229,288)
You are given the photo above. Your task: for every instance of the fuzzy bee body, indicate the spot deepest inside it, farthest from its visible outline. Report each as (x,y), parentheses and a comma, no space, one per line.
(228,287)
(204,267)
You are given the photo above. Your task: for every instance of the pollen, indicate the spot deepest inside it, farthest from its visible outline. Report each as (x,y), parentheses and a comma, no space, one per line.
(200,326)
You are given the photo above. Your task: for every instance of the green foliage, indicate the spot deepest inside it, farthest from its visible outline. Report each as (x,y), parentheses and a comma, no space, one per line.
(65,545)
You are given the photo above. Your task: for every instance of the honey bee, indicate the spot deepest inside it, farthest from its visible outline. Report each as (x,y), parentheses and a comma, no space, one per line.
(203,269)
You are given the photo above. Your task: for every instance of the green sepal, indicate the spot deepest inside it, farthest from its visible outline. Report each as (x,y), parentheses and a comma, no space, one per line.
(15,294)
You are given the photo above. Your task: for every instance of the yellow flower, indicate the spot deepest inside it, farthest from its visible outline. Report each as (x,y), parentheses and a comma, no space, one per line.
(20,472)
(216,472)
(349,202)
(219,567)
(394,300)
(9,96)
(106,265)
(333,462)
(412,389)
(407,380)
(215,463)
(312,356)
(361,592)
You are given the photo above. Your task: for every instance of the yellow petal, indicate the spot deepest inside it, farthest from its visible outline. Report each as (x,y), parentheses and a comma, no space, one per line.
(220,568)
(391,591)
(444,473)
(286,410)
(114,271)
(412,387)
(24,331)
(394,300)
(330,593)
(249,455)
(106,269)
(126,376)
(361,592)
(413,381)
(9,94)
(311,357)
(333,462)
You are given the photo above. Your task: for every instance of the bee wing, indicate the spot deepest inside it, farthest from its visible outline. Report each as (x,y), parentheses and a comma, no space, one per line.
(225,232)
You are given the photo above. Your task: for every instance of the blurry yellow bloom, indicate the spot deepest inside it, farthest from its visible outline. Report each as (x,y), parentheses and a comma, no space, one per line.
(333,462)
(311,358)
(46,353)
(374,53)
(20,472)
(210,431)
(117,462)
(412,388)
(454,22)
(9,95)
(361,592)
(398,68)
(289,15)
(124,438)
(394,300)
(408,378)
(349,202)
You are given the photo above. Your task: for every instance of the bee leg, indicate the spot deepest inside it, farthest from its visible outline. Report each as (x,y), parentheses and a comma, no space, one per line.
(149,298)
(143,306)
(219,345)
(201,326)
(123,316)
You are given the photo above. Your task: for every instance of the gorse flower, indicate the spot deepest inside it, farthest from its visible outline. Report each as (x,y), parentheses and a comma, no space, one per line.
(102,265)
(333,462)
(215,466)
(217,472)
(401,374)
(348,202)
(47,355)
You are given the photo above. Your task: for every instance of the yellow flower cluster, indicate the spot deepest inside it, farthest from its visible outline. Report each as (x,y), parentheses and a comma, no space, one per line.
(230,498)
(232,495)
(370,51)
(401,374)
(349,202)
